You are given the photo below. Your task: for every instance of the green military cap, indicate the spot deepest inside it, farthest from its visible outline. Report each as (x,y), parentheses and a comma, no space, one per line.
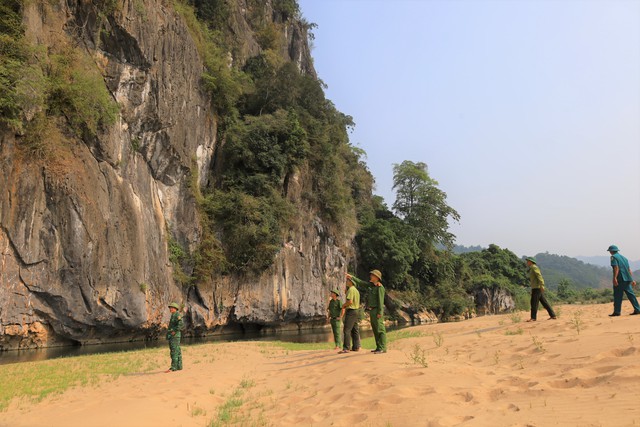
(376,273)
(532,259)
(335,291)
(174,305)
(613,248)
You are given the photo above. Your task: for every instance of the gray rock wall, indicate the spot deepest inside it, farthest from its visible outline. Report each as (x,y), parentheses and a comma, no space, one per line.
(83,238)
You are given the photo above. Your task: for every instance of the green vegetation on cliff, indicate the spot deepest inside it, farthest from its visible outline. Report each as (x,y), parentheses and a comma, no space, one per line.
(41,88)
(275,123)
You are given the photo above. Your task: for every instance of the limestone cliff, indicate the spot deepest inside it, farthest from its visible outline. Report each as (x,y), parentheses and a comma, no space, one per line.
(84,254)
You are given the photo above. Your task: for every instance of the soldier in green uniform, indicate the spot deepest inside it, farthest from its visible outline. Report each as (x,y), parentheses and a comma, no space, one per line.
(537,291)
(375,304)
(173,336)
(335,317)
(622,282)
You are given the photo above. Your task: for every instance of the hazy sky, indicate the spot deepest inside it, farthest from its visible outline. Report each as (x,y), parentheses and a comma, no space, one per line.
(526,112)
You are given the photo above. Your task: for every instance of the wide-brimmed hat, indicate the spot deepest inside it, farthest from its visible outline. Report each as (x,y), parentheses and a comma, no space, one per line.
(613,248)
(376,273)
(174,305)
(335,291)
(532,259)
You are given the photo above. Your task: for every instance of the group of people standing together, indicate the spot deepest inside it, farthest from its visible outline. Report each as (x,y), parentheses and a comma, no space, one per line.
(348,337)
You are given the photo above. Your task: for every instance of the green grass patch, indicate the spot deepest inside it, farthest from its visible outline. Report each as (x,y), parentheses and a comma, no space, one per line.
(37,380)
(369,343)
(227,411)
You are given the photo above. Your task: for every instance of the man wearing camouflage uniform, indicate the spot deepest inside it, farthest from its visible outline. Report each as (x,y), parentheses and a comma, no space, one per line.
(173,336)
(375,305)
(335,317)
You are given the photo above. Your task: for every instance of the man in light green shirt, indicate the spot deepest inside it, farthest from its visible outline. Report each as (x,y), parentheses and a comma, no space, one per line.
(537,291)
(350,316)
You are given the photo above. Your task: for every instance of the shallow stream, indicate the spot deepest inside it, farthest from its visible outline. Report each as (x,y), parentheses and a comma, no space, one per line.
(298,336)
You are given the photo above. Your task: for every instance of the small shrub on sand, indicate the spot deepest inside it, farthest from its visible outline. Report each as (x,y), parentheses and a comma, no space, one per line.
(576,321)
(515,317)
(418,356)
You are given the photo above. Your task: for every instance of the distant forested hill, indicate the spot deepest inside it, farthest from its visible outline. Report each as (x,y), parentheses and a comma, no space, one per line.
(603,261)
(582,275)
(460,249)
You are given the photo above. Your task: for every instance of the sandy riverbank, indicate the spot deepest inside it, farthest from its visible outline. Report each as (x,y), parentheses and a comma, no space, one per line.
(494,370)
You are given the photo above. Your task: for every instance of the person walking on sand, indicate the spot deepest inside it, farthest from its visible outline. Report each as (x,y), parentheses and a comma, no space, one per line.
(350,315)
(335,317)
(622,282)
(537,291)
(375,305)
(173,336)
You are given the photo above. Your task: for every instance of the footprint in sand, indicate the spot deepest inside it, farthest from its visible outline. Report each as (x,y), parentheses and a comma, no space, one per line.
(465,397)
(427,391)
(496,394)
(623,352)
(334,399)
(577,382)
(409,374)
(605,369)
(450,421)
(394,400)
(355,418)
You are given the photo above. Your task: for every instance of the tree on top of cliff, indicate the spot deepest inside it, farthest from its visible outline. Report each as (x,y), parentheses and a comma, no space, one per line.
(422,204)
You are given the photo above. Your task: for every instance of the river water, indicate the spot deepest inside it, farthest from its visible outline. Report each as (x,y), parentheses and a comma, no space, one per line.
(298,336)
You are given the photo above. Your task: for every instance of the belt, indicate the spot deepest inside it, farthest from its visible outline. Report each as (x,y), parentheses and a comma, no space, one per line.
(335,318)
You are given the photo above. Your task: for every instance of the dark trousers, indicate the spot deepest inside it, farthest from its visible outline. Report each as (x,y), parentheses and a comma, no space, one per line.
(538,296)
(351,330)
(619,291)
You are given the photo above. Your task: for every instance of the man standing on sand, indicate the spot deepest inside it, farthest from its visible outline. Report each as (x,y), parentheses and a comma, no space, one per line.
(350,315)
(335,317)
(537,291)
(622,282)
(375,304)
(173,336)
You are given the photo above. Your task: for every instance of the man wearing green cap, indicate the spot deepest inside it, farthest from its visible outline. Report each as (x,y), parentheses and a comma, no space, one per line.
(622,282)
(335,317)
(350,315)
(537,291)
(173,336)
(375,303)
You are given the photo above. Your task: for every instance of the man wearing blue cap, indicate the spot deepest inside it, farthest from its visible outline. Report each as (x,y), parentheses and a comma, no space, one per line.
(537,291)
(622,282)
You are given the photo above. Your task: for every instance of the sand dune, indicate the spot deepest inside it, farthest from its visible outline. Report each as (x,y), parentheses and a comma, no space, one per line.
(580,370)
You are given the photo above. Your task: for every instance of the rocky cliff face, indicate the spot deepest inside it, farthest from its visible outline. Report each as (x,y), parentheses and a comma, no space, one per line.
(83,237)
(493,301)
